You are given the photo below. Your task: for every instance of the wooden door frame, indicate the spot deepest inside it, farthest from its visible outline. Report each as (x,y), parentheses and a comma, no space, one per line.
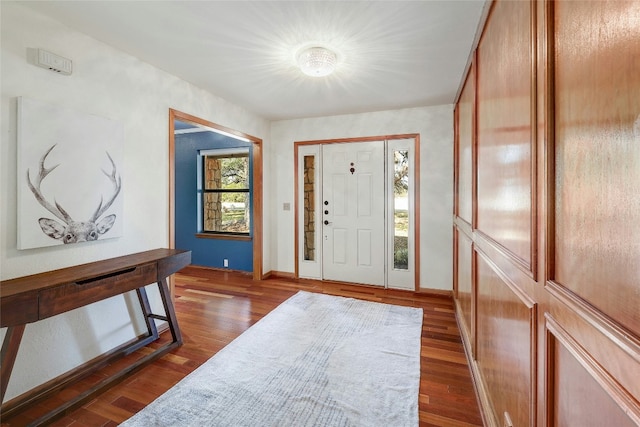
(416,139)
(256,184)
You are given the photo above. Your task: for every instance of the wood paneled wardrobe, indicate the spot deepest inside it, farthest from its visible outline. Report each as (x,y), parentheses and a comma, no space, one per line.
(547,213)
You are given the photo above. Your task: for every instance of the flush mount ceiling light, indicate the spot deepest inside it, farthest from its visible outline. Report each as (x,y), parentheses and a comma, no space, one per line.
(317,61)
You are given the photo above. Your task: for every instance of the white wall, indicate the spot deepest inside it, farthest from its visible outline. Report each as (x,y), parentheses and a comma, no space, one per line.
(435,126)
(108,83)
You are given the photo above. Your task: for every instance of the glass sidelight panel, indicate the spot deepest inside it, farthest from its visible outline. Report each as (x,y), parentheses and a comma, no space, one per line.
(401,210)
(309,214)
(309,208)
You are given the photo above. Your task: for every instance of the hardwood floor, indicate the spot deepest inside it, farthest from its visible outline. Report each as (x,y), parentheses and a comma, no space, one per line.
(214,307)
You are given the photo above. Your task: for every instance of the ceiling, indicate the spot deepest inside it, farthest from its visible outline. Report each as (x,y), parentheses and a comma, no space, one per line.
(391,54)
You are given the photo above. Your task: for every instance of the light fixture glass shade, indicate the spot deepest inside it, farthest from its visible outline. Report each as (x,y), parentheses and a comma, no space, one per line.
(317,61)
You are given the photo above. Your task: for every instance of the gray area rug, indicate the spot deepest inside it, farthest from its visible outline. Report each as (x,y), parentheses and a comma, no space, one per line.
(316,360)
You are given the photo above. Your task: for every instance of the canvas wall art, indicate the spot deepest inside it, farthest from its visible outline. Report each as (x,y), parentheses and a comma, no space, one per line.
(70,185)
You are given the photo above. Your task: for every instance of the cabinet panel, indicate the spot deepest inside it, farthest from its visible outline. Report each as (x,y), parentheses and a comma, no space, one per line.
(465,285)
(466,137)
(580,392)
(504,128)
(506,337)
(597,155)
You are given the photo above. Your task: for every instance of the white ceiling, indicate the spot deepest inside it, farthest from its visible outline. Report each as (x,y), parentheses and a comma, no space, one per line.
(392,54)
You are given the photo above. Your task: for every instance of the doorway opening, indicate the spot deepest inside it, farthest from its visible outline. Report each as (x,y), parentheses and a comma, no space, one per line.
(255,208)
(356,210)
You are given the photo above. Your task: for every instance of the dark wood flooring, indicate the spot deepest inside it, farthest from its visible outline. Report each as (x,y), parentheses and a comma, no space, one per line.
(214,307)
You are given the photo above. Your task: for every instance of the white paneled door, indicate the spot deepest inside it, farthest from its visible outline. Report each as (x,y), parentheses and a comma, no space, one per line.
(353,212)
(356,212)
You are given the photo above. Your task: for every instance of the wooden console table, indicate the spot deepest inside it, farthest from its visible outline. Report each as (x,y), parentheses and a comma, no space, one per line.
(32,298)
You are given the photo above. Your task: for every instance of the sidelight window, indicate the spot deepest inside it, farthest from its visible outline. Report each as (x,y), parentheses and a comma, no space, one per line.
(309,192)
(401,209)
(402,249)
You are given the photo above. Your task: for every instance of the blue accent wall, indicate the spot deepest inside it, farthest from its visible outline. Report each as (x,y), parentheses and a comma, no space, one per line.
(205,252)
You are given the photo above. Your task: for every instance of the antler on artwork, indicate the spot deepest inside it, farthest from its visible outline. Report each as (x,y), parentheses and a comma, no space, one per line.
(74,231)
(37,192)
(117,185)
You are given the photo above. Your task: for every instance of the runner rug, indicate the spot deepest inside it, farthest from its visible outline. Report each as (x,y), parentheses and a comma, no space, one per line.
(316,360)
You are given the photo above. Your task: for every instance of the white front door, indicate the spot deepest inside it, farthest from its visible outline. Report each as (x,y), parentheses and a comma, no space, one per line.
(353,212)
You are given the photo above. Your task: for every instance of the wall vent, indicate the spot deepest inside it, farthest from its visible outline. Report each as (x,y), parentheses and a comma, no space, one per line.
(53,62)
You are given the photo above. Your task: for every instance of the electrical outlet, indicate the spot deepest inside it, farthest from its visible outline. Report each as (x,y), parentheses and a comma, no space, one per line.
(225,262)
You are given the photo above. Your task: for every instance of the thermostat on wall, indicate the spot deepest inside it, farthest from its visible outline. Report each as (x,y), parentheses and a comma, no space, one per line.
(53,62)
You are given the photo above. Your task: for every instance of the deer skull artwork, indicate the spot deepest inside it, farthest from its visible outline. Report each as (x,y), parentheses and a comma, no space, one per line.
(73,231)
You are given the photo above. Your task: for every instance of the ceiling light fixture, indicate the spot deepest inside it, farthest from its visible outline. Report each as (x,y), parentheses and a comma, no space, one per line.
(317,61)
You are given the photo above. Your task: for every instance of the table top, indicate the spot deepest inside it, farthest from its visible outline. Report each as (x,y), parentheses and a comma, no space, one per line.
(36,282)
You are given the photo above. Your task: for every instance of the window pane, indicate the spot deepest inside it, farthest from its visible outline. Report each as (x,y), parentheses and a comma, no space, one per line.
(401,210)
(230,172)
(227,212)
(212,218)
(309,208)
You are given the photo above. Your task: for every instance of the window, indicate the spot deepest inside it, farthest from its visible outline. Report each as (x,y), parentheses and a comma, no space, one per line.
(226,192)
(309,192)
(401,209)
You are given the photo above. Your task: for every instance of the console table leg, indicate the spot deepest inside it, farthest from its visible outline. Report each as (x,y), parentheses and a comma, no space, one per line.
(9,352)
(146,312)
(170,311)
